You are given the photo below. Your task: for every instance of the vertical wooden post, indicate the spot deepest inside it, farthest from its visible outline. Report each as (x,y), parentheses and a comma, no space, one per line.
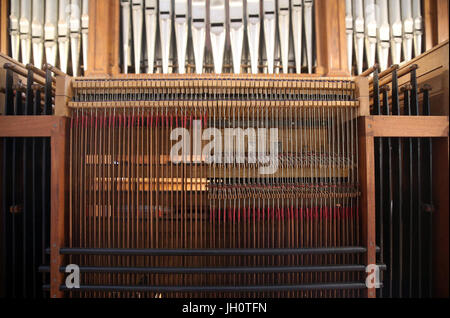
(331,41)
(104,35)
(366,173)
(4,36)
(435,17)
(59,158)
(62,95)
(367,180)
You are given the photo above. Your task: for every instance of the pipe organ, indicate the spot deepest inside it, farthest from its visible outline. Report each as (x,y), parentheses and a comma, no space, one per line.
(390,30)
(221,149)
(225,36)
(52,31)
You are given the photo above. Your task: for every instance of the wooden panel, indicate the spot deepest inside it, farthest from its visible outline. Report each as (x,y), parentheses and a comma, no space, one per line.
(367,207)
(28,126)
(435,22)
(104,28)
(405,126)
(4,37)
(59,206)
(331,38)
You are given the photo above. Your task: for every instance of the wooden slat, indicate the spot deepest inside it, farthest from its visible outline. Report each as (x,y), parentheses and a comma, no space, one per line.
(405,126)
(367,177)
(29,126)
(59,207)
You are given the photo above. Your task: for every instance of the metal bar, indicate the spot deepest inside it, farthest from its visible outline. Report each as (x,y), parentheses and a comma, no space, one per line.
(212,270)
(427,200)
(6,180)
(212,252)
(388,204)
(212,289)
(418,180)
(398,191)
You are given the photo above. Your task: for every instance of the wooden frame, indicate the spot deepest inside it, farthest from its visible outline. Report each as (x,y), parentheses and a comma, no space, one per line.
(56,128)
(435,22)
(331,41)
(104,33)
(436,127)
(4,36)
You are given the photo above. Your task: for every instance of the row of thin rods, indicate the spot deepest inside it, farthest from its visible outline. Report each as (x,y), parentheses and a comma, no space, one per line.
(404,203)
(126,192)
(25,185)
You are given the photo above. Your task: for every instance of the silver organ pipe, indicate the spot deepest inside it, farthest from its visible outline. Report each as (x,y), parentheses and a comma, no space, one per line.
(137,14)
(198,33)
(269,33)
(393,29)
(25,30)
(217,32)
(283,27)
(237,32)
(63,34)
(37,32)
(165,32)
(50,31)
(14,32)
(75,32)
(181,33)
(236,36)
(150,32)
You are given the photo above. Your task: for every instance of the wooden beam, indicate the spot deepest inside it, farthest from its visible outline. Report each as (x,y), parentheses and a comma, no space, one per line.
(405,126)
(367,204)
(435,15)
(4,36)
(104,34)
(28,126)
(59,206)
(331,39)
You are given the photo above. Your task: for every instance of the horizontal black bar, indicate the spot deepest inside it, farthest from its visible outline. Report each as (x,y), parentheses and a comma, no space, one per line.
(212,252)
(230,270)
(209,289)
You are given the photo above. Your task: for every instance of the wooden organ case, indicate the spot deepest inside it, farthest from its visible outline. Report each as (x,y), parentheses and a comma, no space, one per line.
(224,185)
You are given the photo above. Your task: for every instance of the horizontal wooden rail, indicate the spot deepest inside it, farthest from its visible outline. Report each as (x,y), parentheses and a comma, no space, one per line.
(404,126)
(30,126)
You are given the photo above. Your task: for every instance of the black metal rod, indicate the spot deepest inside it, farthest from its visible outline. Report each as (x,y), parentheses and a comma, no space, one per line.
(226,270)
(6,180)
(212,252)
(18,108)
(408,159)
(418,209)
(45,181)
(378,144)
(211,289)
(428,188)
(388,202)
(398,197)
